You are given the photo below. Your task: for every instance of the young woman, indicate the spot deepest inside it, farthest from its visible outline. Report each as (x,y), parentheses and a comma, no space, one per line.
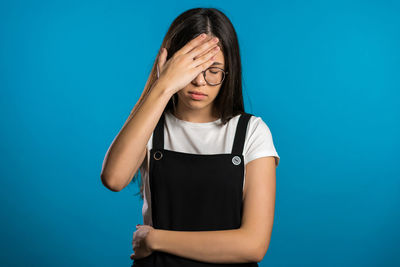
(207,166)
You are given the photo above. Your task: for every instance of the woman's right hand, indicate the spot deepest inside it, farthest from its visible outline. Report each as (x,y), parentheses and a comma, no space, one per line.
(186,63)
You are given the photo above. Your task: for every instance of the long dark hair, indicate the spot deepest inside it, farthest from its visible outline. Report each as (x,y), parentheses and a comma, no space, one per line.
(189,24)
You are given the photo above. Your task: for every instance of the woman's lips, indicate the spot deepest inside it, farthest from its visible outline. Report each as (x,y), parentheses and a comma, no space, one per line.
(197,96)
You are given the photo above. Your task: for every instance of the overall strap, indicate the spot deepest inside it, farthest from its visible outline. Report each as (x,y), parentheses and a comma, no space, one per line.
(240,134)
(158,134)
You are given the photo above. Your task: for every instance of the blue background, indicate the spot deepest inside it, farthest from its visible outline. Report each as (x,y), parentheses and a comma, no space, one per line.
(323,75)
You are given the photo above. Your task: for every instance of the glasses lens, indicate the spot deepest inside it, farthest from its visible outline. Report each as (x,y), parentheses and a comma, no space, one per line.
(214,75)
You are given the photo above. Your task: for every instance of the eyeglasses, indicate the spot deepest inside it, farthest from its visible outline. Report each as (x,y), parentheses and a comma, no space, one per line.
(214,75)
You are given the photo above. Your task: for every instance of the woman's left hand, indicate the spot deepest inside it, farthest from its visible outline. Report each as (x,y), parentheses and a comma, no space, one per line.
(140,242)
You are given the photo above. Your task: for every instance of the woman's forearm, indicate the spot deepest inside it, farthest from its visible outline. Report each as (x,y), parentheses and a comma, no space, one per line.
(127,150)
(224,246)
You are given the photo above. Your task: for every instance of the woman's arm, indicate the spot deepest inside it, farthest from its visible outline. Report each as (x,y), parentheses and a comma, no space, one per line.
(127,151)
(249,243)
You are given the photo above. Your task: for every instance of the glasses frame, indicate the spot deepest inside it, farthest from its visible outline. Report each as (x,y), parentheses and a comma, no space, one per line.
(204,75)
(223,78)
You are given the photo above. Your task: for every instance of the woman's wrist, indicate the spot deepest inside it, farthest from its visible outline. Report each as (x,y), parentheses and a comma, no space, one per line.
(164,88)
(152,239)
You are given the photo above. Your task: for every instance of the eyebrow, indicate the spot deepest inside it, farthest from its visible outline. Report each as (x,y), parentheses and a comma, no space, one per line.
(217,63)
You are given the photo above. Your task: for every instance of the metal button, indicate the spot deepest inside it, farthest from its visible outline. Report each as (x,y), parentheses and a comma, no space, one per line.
(236,160)
(158,155)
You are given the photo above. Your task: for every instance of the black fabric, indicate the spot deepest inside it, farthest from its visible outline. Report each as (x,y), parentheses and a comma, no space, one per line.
(195,192)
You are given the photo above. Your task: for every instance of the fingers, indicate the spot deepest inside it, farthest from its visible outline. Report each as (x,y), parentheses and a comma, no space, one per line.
(140,233)
(210,55)
(136,244)
(211,42)
(204,66)
(191,44)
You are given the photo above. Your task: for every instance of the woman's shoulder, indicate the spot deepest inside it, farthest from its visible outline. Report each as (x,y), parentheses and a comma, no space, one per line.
(255,121)
(258,126)
(259,141)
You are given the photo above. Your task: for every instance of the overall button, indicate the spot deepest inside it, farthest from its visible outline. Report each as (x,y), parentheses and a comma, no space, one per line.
(236,160)
(158,155)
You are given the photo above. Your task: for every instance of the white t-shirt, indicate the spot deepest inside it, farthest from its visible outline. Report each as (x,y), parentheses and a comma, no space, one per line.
(208,138)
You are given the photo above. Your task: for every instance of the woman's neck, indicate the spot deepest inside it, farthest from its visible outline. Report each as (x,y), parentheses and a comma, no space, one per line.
(197,116)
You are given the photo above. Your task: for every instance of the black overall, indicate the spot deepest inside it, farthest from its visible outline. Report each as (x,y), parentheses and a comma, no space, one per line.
(195,192)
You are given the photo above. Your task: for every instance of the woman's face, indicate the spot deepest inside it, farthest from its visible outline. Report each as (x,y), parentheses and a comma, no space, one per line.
(198,84)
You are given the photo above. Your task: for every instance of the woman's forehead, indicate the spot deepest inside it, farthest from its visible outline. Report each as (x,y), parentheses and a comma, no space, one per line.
(219,59)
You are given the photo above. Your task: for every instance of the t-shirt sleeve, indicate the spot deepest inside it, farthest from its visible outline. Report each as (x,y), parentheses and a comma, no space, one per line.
(259,142)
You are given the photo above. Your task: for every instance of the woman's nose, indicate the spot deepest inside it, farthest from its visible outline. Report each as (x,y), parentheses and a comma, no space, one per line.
(199,80)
